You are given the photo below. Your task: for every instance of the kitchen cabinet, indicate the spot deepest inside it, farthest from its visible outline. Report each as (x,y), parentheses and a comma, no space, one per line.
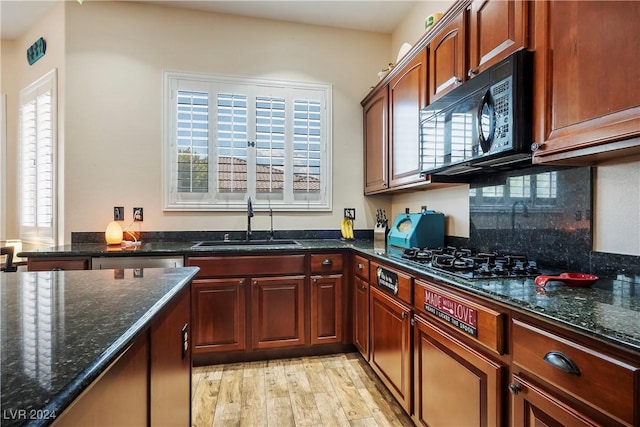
(533,406)
(219,310)
(555,375)
(361,305)
(375,112)
(497,28)
(390,345)
(447,58)
(266,303)
(587,81)
(278,312)
(407,96)
(170,385)
(327,296)
(390,336)
(63,263)
(150,384)
(459,347)
(244,303)
(449,372)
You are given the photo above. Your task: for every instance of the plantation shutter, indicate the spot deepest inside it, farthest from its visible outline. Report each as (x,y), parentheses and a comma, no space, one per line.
(37,160)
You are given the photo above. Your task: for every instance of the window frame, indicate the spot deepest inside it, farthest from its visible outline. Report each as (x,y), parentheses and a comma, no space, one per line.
(46,235)
(214,200)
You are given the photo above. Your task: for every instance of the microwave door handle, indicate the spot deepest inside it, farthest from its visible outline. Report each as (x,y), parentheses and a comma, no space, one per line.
(486,110)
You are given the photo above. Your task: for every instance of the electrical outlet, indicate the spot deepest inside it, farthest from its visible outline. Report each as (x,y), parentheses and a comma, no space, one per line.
(137,214)
(350,213)
(118,213)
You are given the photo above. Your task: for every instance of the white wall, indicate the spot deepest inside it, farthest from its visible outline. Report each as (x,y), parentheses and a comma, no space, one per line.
(616,218)
(17,74)
(116,53)
(411,29)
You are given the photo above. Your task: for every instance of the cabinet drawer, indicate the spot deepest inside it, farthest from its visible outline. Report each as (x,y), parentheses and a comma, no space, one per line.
(361,267)
(380,275)
(599,380)
(326,263)
(220,266)
(481,323)
(49,264)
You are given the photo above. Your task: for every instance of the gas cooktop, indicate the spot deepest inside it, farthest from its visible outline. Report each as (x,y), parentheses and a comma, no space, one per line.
(470,264)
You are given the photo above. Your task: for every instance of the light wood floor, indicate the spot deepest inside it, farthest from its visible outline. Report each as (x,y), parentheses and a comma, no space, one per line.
(335,390)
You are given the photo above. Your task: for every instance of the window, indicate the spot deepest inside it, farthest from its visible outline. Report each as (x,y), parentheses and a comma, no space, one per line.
(37,129)
(229,138)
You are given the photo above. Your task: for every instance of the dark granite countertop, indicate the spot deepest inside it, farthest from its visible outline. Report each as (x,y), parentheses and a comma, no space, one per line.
(60,330)
(608,311)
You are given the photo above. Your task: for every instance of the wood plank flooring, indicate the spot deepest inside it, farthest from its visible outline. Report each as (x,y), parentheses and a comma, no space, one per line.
(334,390)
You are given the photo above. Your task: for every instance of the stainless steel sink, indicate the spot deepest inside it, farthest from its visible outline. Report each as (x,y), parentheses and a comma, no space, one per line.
(257,242)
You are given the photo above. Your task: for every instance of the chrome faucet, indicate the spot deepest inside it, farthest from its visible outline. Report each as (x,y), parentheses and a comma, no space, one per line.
(249,216)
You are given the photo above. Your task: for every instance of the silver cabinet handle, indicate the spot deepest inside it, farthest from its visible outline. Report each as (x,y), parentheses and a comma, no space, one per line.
(562,361)
(360,266)
(327,261)
(472,72)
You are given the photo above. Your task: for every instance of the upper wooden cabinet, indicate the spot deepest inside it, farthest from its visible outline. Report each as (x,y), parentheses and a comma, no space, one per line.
(447,66)
(407,96)
(375,111)
(587,81)
(497,28)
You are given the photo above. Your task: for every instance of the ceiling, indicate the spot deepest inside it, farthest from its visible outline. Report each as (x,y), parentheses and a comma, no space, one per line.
(17,16)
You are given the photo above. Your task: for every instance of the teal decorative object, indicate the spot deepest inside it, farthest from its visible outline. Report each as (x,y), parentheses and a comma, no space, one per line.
(36,51)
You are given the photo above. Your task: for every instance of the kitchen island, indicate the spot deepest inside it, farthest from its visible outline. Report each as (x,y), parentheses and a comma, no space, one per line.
(63,333)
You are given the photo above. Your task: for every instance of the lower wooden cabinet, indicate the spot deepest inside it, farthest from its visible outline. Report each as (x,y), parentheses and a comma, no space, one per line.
(361,316)
(326,309)
(454,384)
(149,384)
(390,345)
(219,315)
(571,373)
(278,312)
(532,406)
(171,365)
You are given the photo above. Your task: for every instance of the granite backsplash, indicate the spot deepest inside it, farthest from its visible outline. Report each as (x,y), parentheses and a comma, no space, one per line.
(544,213)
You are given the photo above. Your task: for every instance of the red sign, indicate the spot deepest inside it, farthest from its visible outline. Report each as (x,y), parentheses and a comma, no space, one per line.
(451,311)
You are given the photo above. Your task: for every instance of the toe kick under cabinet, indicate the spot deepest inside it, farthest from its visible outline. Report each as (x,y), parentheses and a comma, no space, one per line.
(265,303)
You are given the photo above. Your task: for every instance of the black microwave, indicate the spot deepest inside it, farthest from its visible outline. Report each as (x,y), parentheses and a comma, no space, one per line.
(483,124)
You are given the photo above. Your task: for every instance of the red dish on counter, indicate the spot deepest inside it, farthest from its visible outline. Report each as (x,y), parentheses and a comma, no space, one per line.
(581,280)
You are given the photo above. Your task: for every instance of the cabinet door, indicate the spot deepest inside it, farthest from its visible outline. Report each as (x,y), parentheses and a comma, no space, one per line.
(219,315)
(447,64)
(587,81)
(278,312)
(447,372)
(326,309)
(361,316)
(497,28)
(532,406)
(390,345)
(375,112)
(171,364)
(407,96)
